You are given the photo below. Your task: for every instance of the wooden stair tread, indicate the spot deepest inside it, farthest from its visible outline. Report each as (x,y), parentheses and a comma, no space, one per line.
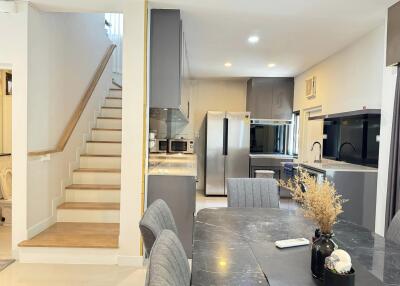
(97,170)
(104,142)
(107,117)
(101,155)
(81,235)
(93,187)
(88,206)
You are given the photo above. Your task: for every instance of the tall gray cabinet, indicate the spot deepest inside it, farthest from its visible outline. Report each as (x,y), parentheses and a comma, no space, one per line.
(167,61)
(270,97)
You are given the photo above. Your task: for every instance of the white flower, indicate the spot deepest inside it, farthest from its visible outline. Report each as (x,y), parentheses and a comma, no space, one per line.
(340,261)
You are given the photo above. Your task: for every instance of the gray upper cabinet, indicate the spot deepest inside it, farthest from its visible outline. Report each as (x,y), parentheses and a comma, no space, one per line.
(165,58)
(393,36)
(270,98)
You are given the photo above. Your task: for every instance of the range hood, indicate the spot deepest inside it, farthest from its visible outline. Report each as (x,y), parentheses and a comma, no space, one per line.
(168,115)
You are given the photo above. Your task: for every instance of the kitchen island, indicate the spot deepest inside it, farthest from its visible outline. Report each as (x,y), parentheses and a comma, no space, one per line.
(172,178)
(356,183)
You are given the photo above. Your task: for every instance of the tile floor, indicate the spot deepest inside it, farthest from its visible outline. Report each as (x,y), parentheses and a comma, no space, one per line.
(19,274)
(203,202)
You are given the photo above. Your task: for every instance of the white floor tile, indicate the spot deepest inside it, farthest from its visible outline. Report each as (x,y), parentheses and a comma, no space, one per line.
(19,274)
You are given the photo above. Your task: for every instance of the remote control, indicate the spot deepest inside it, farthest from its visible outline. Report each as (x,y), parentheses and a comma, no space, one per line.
(292,242)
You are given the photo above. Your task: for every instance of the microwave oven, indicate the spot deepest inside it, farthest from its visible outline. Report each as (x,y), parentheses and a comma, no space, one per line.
(160,146)
(185,146)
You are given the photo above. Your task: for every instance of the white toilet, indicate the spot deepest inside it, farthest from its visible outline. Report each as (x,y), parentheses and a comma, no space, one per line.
(6,195)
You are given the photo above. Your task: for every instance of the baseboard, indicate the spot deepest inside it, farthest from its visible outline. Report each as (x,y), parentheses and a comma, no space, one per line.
(124,260)
(41,226)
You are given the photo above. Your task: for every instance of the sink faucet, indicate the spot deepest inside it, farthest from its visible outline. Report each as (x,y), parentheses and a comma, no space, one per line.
(344,144)
(320,151)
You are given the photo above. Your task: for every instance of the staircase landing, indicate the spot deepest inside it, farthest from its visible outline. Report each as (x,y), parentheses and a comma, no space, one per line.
(80,235)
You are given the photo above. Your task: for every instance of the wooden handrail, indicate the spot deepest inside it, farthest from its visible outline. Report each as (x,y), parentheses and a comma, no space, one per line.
(73,121)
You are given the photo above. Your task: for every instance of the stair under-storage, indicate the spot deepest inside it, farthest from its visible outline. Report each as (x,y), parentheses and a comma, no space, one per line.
(89,217)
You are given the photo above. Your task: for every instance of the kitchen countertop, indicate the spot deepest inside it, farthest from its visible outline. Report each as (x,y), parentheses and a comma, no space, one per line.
(273,156)
(173,165)
(338,166)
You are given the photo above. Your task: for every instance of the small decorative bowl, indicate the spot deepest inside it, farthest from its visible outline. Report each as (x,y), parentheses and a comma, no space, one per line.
(336,279)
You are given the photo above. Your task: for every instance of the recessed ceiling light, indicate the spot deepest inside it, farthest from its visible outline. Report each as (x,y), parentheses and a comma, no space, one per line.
(228,64)
(253,39)
(271,65)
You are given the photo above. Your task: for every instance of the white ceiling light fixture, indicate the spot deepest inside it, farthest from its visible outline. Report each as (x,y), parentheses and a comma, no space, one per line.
(8,6)
(228,64)
(271,65)
(253,39)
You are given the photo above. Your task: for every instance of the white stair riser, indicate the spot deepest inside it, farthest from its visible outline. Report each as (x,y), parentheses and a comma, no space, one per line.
(111,112)
(109,123)
(94,216)
(101,162)
(111,102)
(106,135)
(103,148)
(60,255)
(96,178)
(93,196)
(115,93)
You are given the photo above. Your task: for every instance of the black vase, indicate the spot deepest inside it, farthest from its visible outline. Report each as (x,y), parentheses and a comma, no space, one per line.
(336,279)
(321,249)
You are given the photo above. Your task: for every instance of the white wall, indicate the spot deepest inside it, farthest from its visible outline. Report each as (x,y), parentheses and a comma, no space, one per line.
(13,54)
(64,50)
(349,80)
(388,95)
(133,122)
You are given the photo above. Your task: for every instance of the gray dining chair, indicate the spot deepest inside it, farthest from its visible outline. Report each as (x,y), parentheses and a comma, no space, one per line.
(156,218)
(393,233)
(168,264)
(252,193)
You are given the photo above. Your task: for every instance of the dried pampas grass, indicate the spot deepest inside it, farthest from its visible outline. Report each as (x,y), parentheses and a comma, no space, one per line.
(320,201)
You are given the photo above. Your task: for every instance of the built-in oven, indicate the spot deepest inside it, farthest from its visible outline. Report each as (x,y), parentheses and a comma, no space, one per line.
(160,146)
(185,146)
(269,136)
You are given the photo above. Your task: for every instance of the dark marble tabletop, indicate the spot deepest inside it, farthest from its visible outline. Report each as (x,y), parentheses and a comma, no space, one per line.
(223,240)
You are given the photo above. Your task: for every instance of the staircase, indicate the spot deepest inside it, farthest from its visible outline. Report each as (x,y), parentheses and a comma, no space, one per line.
(87,227)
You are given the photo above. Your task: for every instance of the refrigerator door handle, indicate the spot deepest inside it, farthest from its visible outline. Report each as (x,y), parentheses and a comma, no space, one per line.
(225,134)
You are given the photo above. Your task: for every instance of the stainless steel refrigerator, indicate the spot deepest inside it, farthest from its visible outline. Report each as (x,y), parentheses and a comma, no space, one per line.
(227,149)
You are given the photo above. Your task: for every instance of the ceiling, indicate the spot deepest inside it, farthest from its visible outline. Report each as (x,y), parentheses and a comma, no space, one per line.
(294,34)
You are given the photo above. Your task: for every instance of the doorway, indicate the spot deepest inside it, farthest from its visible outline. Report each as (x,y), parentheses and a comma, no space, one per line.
(312,131)
(6,92)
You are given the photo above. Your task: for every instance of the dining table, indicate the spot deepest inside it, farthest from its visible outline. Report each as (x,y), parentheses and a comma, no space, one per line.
(236,246)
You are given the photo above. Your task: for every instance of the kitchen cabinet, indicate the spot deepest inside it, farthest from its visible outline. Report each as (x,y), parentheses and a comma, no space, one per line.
(179,192)
(393,36)
(270,98)
(167,61)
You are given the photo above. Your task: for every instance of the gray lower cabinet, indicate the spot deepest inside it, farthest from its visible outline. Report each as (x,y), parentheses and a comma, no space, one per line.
(359,189)
(270,98)
(271,164)
(179,192)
